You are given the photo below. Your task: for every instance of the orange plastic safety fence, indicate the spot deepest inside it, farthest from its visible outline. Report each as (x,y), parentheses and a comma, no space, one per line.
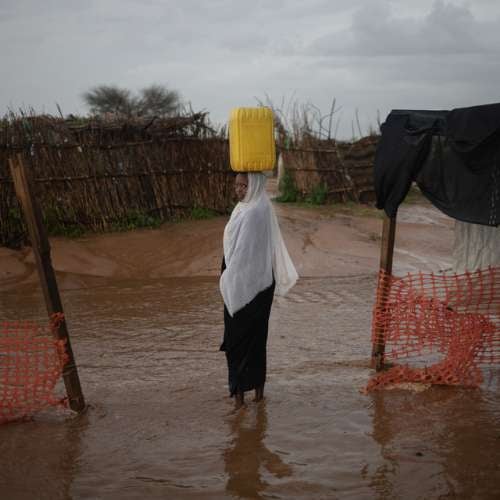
(31,363)
(446,327)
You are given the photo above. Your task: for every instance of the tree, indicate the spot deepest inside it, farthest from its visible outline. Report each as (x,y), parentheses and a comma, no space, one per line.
(155,100)
(109,99)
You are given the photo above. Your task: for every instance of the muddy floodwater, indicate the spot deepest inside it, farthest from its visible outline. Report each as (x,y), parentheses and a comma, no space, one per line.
(161,425)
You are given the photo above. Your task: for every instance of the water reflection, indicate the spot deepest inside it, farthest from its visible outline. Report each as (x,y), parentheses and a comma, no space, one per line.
(434,444)
(247,454)
(39,459)
(382,479)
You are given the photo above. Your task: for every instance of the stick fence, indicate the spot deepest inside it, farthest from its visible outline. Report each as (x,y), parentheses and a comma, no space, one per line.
(91,177)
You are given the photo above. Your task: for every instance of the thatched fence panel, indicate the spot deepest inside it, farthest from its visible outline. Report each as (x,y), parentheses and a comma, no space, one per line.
(344,169)
(100,184)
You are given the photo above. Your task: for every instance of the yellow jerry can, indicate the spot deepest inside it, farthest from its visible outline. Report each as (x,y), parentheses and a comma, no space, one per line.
(251,139)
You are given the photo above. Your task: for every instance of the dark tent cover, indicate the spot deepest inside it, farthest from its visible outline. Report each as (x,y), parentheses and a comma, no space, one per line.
(453,156)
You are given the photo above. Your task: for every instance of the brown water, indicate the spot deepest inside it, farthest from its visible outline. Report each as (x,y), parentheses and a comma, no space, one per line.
(160,423)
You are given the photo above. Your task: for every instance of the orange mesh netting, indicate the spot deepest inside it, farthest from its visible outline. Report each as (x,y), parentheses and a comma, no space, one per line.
(31,363)
(445,327)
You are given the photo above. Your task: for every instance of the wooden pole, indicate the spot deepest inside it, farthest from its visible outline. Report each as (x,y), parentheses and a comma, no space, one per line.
(41,251)
(386,255)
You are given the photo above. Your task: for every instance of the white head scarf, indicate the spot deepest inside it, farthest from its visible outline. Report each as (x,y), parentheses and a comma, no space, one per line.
(254,250)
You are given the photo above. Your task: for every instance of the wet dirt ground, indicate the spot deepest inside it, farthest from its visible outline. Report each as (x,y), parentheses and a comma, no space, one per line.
(161,425)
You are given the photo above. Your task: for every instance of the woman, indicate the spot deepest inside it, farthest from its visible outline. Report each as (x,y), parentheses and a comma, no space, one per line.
(256,263)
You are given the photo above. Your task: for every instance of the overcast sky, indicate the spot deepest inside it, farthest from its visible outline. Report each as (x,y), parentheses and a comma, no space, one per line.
(367,54)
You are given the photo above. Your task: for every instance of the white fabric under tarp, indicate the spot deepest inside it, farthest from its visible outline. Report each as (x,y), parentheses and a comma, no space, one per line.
(254,250)
(476,246)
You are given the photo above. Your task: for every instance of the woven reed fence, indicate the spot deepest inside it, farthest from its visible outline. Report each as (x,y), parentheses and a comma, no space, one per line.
(96,176)
(344,169)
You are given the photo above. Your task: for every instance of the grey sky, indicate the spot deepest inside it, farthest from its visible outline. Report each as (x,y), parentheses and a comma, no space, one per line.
(368,54)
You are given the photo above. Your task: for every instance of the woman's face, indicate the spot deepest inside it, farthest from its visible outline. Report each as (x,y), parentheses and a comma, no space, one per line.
(241,186)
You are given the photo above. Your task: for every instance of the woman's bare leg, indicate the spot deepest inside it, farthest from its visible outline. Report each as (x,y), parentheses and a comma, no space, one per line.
(240,398)
(259,393)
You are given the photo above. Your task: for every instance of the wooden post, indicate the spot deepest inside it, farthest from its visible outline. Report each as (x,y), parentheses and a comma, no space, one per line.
(41,251)
(386,254)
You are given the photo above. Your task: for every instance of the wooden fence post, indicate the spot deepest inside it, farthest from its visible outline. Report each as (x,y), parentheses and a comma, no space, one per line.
(41,251)
(386,255)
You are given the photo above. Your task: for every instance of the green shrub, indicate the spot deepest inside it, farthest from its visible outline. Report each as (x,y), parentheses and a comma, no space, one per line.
(288,189)
(15,217)
(318,194)
(135,219)
(55,226)
(201,213)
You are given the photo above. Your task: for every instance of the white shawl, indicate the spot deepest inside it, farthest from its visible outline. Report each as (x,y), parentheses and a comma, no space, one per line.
(254,250)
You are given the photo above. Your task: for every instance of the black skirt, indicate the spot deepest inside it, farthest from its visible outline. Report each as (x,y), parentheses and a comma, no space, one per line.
(245,342)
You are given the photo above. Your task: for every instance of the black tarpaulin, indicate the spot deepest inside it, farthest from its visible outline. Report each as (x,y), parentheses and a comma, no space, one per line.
(454,156)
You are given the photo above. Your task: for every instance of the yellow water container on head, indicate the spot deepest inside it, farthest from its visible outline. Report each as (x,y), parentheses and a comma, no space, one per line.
(251,139)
